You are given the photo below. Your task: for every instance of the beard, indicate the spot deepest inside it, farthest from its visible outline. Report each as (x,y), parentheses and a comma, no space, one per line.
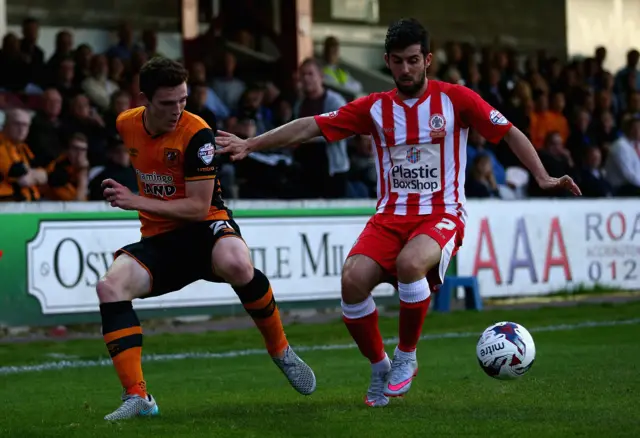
(414,88)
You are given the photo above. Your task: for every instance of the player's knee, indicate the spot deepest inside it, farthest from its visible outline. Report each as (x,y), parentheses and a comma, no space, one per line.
(109,291)
(236,269)
(411,266)
(354,286)
(125,281)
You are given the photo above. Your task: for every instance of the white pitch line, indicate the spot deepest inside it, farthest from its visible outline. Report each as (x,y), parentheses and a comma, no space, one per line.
(66,364)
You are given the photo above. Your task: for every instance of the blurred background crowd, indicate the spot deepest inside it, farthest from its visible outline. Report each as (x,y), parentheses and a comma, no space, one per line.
(58,113)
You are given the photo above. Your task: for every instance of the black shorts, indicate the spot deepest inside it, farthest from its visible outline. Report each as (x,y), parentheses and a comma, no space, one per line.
(182,256)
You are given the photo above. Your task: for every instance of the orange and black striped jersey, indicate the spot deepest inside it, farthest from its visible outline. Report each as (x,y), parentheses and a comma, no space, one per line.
(15,162)
(166,162)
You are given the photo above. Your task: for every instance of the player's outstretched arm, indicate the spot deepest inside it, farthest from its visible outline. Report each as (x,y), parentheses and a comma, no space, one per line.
(526,153)
(295,132)
(194,207)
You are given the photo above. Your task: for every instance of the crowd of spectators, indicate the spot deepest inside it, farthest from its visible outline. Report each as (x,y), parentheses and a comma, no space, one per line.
(59,141)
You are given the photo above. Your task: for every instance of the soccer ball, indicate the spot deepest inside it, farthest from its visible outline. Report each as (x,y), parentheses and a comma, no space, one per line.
(506,350)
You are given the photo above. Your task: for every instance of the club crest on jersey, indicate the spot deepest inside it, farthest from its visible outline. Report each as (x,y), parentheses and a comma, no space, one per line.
(497,118)
(206,153)
(437,124)
(171,157)
(413,155)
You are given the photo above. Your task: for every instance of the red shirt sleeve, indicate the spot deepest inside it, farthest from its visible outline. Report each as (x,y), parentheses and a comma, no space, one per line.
(476,113)
(351,119)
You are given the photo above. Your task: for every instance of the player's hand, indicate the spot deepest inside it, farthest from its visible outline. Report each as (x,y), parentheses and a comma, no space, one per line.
(566,182)
(228,143)
(118,195)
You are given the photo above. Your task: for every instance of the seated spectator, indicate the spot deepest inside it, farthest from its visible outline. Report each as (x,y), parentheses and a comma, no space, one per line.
(196,104)
(604,103)
(491,90)
(623,163)
(607,83)
(605,131)
(282,113)
(31,52)
(632,108)
(98,87)
(452,76)
(84,119)
(267,174)
(117,167)
(69,175)
(64,80)
(325,164)
(473,79)
(134,91)
(18,180)
(228,87)
(14,69)
(82,57)
(582,135)
(592,178)
(558,162)
(475,146)
(333,74)
(362,173)
(125,47)
(250,107)
(63,50)
(138,59)
(120,102)
(627,77)
(45,138)
(198,75)
(481,183)
(516,109)
(117,72)
(150,43)
(545,120)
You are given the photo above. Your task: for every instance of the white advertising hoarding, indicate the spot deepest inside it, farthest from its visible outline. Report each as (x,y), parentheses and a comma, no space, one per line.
(537,247)
(302,257)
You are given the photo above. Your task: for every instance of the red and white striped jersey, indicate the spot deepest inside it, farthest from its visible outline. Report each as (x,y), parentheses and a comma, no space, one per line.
(420,145)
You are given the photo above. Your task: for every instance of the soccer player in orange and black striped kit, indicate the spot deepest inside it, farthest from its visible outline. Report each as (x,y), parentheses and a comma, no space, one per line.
(187,235)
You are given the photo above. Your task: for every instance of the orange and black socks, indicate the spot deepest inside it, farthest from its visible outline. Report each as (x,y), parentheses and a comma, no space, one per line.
(257,299)
(123,336)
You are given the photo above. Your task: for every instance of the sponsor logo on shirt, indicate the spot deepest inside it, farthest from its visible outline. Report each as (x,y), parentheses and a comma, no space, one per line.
(497,118)
(157,184)
(437,124)
(416,169)
(205,153)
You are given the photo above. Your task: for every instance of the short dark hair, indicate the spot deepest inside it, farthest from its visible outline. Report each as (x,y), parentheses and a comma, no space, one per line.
(29,20)
(311,61)
(407,32)
(161,72)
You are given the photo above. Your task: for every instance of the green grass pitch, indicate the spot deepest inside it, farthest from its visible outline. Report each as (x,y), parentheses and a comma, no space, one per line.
(585,382)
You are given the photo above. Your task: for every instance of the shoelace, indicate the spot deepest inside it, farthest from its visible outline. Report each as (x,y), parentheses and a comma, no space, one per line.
(399,362)
(377,383)
(129,404)
(288,364)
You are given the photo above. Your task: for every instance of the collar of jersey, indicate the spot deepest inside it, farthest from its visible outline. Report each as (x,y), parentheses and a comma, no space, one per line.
(157,135)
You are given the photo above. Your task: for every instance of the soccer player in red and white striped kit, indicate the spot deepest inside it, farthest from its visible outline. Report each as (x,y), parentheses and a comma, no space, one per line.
(420,131)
